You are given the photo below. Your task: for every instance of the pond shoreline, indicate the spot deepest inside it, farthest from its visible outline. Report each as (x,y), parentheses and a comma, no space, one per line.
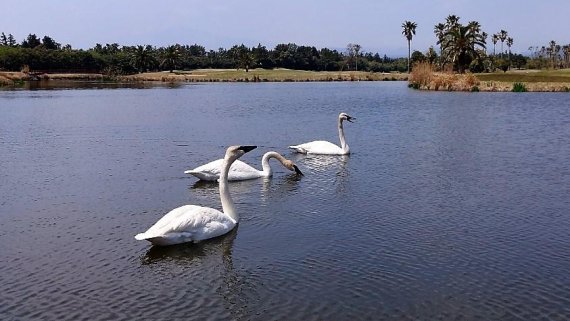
(208,75)
(433,82)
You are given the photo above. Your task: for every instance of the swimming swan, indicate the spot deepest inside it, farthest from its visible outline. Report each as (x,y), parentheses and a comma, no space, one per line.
(241,171)
(326,148)
(191,223)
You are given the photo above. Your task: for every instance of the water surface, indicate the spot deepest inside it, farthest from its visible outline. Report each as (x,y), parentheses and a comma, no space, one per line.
(451,206)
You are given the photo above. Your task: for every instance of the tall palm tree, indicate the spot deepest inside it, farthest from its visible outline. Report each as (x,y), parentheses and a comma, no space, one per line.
(439,31)
(510,42)
(503,36)
(495,39)
(409,30)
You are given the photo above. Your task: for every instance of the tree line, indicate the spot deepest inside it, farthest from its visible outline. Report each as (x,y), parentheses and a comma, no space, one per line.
(46,54)
(464,47)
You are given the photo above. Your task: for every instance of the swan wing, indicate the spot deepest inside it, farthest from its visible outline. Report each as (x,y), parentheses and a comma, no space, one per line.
(318,147)
(211,171)
(188,223)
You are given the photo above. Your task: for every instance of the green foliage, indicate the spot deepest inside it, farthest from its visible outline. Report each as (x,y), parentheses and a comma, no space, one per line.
(519,87)
(459,44)
(502,64)
(477,65)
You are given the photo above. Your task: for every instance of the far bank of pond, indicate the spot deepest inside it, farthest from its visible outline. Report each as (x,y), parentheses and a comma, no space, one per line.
(526,80)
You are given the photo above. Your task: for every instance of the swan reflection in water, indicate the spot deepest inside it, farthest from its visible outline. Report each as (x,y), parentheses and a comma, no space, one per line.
(192,252)
(318,163)
(214,256)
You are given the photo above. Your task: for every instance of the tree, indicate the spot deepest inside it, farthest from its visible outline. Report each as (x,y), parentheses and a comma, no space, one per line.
(503,36)
(352,51)
(31,41)
(142,57)
(509,44)
(439,31)
(409,30)
(495,39)
(49,43)
(459,46)
(171,57)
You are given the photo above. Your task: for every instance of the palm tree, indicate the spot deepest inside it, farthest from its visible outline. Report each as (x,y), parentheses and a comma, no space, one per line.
(459,46)
(171,57)
(439,31)
(503,36)
(409,30)
(509,44)
(451,21)
(142,58)
(495,39)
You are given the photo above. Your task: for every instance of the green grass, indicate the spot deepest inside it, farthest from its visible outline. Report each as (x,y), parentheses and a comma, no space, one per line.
(528,76)
(267,75)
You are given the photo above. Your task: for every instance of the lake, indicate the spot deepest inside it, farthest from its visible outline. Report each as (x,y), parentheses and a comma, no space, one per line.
(452,206)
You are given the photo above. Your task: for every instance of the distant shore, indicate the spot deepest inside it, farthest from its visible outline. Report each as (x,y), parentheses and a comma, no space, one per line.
(527,80)
(213,75)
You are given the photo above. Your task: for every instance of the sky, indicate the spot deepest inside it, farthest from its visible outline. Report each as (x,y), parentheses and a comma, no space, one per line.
(373,24)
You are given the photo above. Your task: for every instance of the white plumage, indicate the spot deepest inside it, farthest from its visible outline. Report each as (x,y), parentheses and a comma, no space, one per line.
(321,147)
(191,223)
(241,171)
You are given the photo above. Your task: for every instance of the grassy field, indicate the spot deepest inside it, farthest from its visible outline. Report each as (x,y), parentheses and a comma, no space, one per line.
(210,75)
(424,77)
(531,76)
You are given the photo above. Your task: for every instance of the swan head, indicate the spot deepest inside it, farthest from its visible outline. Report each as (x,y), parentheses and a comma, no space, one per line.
(235,152)
(292,167)
(347,117)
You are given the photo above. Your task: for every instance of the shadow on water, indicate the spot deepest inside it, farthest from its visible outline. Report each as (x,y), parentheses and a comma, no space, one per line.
(91,84)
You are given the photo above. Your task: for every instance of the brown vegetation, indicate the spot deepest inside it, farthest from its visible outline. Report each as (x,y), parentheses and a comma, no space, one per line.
(424,77)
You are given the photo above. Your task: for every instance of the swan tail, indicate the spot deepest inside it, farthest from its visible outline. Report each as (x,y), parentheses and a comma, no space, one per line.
(299,149)
(163,240)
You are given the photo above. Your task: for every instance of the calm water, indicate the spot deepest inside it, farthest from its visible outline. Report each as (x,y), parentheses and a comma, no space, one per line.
(453,206)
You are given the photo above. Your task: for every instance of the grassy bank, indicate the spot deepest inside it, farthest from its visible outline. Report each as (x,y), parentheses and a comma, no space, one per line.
(214,75)
(257,75)
(423,77)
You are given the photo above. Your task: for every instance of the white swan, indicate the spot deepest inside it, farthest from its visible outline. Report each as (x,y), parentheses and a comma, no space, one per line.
(241,171)
(191,223)
(326,148)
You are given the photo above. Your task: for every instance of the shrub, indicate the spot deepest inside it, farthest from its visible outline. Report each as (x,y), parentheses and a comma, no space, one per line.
(421,74)
(519,87)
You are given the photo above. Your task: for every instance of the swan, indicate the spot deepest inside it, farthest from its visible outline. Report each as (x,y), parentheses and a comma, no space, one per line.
(192,223)
(322,147)
(241,171)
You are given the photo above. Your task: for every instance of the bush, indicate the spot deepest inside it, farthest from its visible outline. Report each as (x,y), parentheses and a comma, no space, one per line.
(421,74)
(519,87)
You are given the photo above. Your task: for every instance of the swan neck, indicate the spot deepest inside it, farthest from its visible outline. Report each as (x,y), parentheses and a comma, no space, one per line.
(267,171)
(228,205)
(343,143)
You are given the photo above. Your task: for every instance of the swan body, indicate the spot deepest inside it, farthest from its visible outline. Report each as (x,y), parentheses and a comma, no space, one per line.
(191,223)
(321,147)
(241,171)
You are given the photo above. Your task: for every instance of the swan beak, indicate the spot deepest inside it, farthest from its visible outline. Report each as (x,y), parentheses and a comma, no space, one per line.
(298,171)
(247,148)
(350,119)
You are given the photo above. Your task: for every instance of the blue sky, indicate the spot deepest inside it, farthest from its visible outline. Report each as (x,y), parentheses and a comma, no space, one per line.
(374,24)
